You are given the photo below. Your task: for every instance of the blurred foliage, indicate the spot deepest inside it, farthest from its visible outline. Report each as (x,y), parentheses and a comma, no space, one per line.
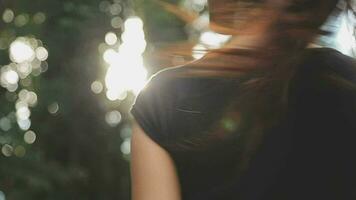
(163,29)
(160,24)
(76,154)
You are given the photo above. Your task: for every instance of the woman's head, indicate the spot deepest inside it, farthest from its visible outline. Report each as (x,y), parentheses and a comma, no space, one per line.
(276,26)
(297,19)
(231,13)
(266,33)
(282,29)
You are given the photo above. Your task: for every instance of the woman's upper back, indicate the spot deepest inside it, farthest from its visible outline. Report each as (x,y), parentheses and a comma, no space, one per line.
(309,155)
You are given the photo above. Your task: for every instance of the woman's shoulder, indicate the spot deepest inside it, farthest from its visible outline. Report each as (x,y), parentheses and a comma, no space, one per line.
(320,64)
(180,81)
(315,61)
(170,101)
(330,58)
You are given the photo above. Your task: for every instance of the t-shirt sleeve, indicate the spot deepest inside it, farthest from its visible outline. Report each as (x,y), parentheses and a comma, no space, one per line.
(152,106)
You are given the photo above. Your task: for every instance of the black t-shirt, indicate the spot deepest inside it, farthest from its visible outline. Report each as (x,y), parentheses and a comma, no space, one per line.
(310,155)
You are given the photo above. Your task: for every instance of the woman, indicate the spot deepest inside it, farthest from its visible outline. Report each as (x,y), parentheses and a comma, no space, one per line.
(264,117)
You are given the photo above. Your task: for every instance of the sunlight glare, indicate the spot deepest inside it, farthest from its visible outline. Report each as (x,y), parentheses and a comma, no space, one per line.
(126,70)
(345,40)
(213,40)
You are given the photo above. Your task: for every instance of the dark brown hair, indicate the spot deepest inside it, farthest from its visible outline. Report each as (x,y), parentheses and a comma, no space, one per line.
(280,31)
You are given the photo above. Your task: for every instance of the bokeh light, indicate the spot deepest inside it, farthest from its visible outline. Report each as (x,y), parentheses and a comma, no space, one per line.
(41,53)
(39,18)
(21,51)
(29,137)
(97,87)
(11,77)
(53,108)
(209,40)
(115,9)
(7,150)
(23,113)
(28,57)
(125,132)
(116,22)
(199,51)
(104,6)
(5,124)
(126,70)
(8,16)
(110,38)
(126,146)
(113,118)
(21,20)
(213,40)
(20,151)
(24,124)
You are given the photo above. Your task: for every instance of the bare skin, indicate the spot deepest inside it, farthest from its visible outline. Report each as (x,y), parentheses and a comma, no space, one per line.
(153,173)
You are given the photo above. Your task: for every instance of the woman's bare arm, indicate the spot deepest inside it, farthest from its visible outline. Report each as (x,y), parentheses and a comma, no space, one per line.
(153,173)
